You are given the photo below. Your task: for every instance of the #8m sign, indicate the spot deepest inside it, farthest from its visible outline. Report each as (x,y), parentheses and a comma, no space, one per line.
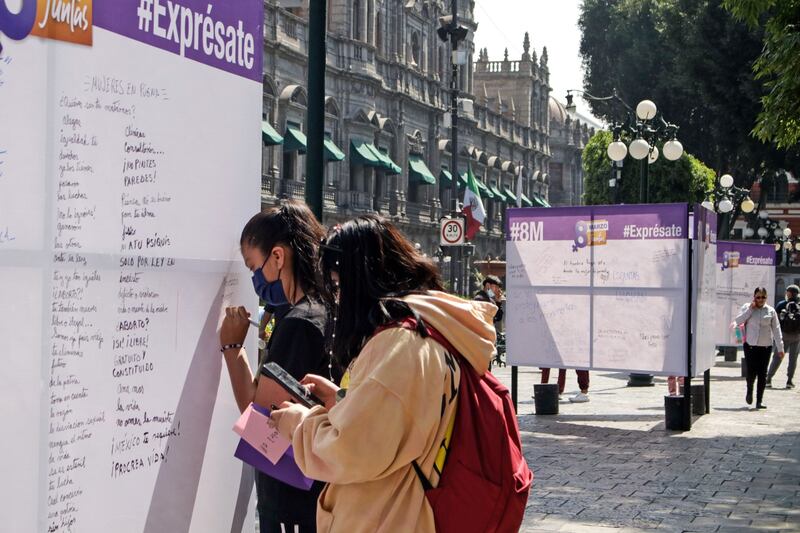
(451,232)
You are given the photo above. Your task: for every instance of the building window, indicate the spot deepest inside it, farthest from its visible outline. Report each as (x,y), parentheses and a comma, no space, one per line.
(370,21)
(379,36)
(415,48)
(356,20)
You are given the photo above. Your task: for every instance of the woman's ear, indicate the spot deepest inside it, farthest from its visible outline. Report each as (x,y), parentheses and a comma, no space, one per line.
(280,256)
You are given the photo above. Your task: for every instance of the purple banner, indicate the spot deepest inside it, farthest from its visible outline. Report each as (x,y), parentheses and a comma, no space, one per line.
(597,224)
(735,254)
(223,34)
(705,222)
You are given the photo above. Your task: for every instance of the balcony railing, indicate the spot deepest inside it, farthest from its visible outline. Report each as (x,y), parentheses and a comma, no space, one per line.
(359,201)
(420,213)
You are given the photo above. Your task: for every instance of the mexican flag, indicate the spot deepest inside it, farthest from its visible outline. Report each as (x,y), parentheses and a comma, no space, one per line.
(473,206)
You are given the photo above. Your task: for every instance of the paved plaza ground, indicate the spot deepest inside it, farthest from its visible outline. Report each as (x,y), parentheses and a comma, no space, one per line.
(610,465)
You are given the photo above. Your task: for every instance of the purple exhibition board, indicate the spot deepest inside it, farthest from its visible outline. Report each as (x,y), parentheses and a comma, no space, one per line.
(124,124)
(598,287)
(704,289)
(740,268)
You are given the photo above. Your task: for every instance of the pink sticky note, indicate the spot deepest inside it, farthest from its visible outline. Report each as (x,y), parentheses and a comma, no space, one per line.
(259,433)
(240,424)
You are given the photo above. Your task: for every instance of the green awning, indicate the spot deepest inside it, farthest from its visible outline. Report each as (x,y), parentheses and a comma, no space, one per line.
(419,171)
(269,136)
(484,190)
(362,153)
(332,152)
(500,197)
(510,196)
(538,202)
(294,140)
(390,166)
(447,176)
(526,202)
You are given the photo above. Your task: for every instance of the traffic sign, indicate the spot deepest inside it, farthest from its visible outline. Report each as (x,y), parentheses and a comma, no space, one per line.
(451,232)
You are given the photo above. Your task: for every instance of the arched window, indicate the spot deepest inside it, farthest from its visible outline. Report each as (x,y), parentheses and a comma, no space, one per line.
(415,48)
(356,19)
(379,35)
(370,38)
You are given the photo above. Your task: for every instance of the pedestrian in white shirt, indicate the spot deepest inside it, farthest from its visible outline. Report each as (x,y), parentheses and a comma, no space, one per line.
(762,330)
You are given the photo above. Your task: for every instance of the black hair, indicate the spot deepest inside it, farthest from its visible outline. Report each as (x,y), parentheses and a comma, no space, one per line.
(293,225)
(491,278)
(376,265)
(760,289)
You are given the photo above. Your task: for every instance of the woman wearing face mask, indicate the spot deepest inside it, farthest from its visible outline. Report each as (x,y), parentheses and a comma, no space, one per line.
(280,246)
(762,329)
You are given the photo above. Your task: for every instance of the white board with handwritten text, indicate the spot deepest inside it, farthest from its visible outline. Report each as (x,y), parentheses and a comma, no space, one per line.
(129,162)
(599,288)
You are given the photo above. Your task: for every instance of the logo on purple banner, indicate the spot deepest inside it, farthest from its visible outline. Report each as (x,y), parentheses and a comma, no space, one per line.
(590,233)
(738,254)
(225,35)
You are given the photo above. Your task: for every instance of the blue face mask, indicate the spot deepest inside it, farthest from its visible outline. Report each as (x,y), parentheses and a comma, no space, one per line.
(269,291)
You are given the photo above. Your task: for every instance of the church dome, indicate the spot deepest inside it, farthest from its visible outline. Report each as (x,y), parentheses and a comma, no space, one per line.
(557,112)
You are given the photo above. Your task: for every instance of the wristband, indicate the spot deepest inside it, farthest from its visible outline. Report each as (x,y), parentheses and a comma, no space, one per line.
(231,346)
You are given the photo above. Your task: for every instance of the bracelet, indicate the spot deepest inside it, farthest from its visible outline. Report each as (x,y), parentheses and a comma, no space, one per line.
(226,347)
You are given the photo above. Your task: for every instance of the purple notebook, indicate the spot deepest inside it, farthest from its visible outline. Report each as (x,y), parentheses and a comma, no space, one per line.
(285,470)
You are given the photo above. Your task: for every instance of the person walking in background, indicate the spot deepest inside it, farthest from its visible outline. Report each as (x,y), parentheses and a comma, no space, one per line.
(583,383)
(762,329)
(492,292)
(672,384)
(789,317)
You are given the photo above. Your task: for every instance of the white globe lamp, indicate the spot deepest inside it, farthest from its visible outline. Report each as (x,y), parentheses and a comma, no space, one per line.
(673,150)
(653,157)
(639,149)
(725,206)
(708,205)
(617,151)
(763,214)
(748,205)
(726,180)
(778,233)
(646,110)
(787,245)
(748,232)
(787,232)
(762,232)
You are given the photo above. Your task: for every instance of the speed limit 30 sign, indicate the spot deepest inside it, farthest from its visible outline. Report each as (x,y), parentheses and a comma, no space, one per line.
(451,231)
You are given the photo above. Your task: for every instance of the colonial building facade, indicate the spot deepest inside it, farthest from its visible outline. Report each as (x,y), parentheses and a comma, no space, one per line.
(387,141)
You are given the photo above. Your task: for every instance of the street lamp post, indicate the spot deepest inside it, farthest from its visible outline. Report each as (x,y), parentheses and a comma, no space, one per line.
(728,201)
(646,127)
(449,30)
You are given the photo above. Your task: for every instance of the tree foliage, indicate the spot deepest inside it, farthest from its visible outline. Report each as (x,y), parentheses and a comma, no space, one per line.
(778,66)
(694,60)
(685,180)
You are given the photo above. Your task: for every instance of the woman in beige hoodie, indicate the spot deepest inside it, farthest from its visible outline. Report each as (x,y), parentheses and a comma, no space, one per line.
(398,395)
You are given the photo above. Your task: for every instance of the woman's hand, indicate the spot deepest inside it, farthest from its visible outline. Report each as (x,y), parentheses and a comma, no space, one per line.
(234,326)
(781,354)
(287,417)
(322,388)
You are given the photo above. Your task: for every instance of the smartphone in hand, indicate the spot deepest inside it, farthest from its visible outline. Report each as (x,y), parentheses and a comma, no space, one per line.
(295,389)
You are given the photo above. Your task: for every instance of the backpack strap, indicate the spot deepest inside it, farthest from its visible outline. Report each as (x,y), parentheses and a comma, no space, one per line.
(411,324)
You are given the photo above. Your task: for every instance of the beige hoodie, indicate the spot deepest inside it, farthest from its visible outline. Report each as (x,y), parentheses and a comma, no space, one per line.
(392,414)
